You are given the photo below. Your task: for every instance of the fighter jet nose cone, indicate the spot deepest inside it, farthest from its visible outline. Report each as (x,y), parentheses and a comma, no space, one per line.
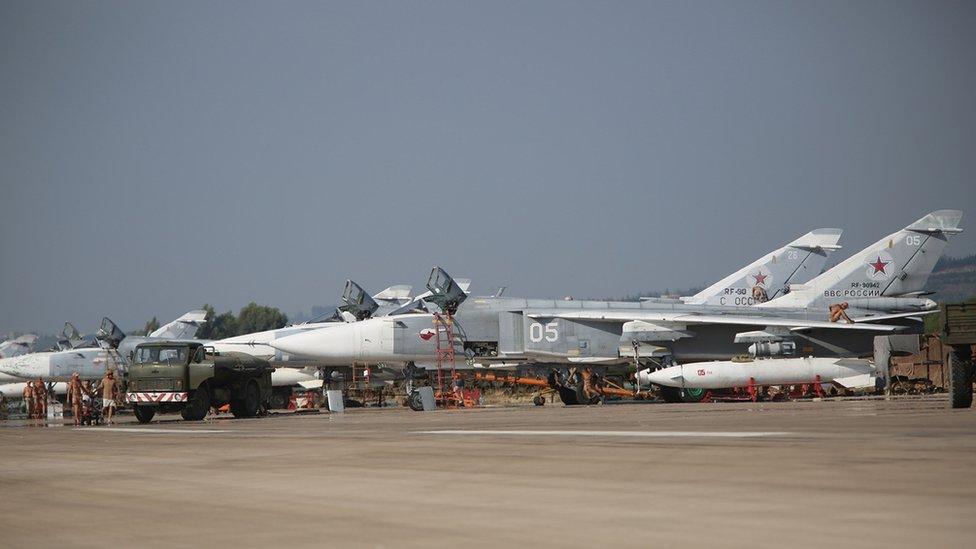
(298,344)
(929,304)
(332,342)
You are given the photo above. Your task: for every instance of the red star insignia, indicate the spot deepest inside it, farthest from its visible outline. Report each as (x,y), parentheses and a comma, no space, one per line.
(760,278)
(879,266)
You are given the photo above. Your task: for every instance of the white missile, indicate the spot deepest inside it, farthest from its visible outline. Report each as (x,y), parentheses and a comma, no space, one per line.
(286,377)
(722,374)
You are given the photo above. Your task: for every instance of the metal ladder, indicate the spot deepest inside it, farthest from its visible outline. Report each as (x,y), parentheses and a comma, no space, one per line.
(444,330)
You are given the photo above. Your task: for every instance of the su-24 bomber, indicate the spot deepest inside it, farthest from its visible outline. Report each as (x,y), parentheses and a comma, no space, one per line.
(877,291)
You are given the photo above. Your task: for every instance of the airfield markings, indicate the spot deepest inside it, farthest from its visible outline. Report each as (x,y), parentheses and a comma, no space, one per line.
(151,430)
(637,434)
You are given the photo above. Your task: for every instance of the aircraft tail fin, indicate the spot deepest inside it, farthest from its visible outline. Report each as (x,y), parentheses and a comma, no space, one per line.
(771,275)
(184,327)
(898,265)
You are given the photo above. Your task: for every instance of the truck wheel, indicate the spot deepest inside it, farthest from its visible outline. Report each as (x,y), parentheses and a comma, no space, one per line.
(198,406)
(279,401)
(144,413)
(960,381)
(539,400)
(249,404)
(692,395)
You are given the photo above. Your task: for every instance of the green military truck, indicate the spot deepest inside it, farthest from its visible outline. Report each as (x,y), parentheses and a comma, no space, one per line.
(190,378)
(959,340)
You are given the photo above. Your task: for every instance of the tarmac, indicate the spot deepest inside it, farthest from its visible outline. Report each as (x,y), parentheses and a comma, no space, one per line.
(854,473)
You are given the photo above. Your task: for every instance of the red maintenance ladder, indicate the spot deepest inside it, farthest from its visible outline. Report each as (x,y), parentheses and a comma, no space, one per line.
(444,329)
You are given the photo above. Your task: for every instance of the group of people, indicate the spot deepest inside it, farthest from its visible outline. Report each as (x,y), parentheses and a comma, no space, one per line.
(81,397)
(35,398)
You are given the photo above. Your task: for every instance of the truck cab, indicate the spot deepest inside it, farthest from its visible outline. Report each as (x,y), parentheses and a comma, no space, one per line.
(190,378)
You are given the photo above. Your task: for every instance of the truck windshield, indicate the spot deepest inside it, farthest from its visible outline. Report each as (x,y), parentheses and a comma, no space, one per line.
(165,355)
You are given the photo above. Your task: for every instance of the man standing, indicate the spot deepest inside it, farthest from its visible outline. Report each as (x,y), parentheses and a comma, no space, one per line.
(110,390)
(29,399)
(40,398)
(74,397)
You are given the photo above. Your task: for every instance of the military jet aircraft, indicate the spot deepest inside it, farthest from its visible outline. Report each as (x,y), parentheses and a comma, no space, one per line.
(615,333)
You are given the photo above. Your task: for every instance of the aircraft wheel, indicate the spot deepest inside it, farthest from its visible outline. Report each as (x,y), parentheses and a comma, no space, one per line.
(144,414)
(539,400)
(960,381)
(415,403)
(692,395)
(198,406)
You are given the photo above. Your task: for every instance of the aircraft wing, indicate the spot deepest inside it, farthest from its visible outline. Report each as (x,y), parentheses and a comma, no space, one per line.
(690,319)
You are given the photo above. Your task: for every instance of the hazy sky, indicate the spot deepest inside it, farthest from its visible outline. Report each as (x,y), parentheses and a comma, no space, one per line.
(158,155)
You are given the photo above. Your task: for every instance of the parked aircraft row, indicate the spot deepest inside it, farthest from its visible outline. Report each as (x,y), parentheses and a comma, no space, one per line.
(877,291)
(781,305)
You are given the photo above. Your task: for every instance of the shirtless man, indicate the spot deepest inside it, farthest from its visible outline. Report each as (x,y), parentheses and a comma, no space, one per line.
(29,399)
(110,389)
(590,390)
(40,398)
(838,312)
(75,391)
